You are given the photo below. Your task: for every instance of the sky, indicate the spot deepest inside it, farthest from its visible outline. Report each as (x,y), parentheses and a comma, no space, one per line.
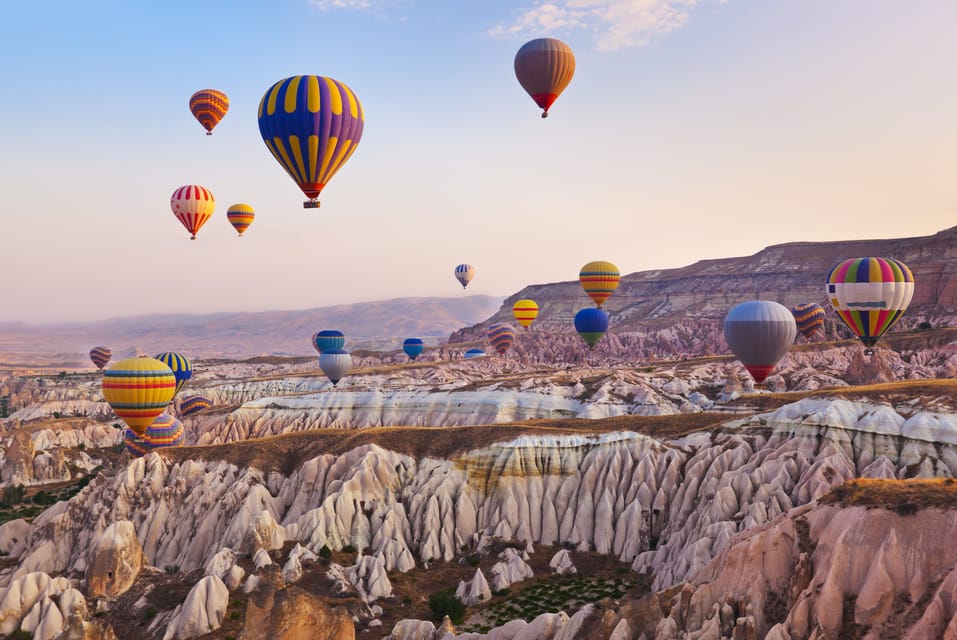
(693,129)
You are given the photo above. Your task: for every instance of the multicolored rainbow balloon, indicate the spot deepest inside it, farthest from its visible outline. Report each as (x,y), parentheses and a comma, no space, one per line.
(100,356)
(240,216)
(209,106)
(809,318)
(194,404)
(501,336)
(166,431)
(599,279)
(138,390)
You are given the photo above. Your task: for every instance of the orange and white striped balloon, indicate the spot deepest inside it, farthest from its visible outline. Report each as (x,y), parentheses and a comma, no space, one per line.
(192,205)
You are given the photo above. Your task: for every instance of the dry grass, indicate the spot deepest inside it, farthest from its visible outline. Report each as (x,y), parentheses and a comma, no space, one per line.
(286,452)
(942,389)
(903,496)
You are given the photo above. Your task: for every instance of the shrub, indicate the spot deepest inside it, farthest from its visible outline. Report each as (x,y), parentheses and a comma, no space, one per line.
(349,548)
(924,326)
(234,615)
(325,551)
(171,568)
(150,613)
(474,560)
(444,603)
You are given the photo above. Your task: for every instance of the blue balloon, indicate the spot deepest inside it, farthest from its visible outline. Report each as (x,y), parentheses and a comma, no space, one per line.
(475,353)
(591,324)
(328,340)
(413,347)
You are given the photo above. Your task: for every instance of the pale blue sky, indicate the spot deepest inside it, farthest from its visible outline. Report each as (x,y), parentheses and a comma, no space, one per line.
(691,130)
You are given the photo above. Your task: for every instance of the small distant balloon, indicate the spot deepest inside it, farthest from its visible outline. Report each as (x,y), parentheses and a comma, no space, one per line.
(335,364)
(591,325)
(501,336)
(179,365)
(192,205)
(599,279)
(475,353)
(809,318)
(525,312)
(464,274)
(165,431)
(544,67)
(209,106)
(100,356)
(870,295)
(193,405)
(138,390)
(759,332)
(328,340)
(413,347)
(240,216)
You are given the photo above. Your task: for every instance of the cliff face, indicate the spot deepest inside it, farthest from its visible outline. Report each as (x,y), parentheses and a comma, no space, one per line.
(679,311)
(670,506)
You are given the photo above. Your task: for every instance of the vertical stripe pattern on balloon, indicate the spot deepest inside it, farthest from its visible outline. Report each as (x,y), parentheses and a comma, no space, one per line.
(192,205)
(870,294)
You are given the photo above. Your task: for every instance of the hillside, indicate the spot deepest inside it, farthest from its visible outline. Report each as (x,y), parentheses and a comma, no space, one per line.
(380,325)
(680,311)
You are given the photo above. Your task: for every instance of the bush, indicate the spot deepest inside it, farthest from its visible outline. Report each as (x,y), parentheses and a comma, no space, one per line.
(444,603)
(150,613)
(11,496)
(349,549)
(924,326)
(325,551)
(474,560)
(171,568)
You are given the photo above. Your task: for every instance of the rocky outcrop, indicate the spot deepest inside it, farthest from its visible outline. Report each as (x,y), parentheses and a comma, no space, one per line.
(115,562)
(30,603)
(292,614)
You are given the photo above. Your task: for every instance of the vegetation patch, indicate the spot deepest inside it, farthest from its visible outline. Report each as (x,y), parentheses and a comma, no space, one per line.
(905,497)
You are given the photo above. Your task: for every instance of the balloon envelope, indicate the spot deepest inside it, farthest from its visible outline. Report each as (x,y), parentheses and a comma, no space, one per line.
(599,279)
(544,67)
(870,295)
(192,205)
(335,364)
(809,318)
(759,332)
(525,312)
(413,347)
(179,365)
(328,340)
(475,353)
(464,274)
(591,325)
(501,336)
(100,356)
(311,125)
(165,431)
(208,106)
(194,404)
(138,390)
(240,216)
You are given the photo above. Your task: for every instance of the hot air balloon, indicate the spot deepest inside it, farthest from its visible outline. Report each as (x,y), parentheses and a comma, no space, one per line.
(501,336)
(192,205)
(809,318)
(335,363)
(194,404)
(413,347)
(138,390)
(100,356)
(311,125)
(870,295)
(591,325)
(464,274)
(544,67)
(209,106)
(240,216)
(599,279)
(166,431)
(328,340)
(759,333)
(179,365)
(525,312)
(475,353)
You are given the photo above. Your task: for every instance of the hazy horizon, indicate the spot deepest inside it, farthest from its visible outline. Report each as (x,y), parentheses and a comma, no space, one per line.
(693,129)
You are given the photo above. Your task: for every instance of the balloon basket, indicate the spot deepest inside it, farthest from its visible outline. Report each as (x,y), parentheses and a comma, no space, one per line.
(310,204)
(868,351)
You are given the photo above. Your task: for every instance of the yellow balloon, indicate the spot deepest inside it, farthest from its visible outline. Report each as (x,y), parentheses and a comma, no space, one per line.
(525,312)
(138,390)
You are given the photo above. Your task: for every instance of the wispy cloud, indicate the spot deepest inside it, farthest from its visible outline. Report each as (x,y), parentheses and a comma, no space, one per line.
(377,7)
(617,24)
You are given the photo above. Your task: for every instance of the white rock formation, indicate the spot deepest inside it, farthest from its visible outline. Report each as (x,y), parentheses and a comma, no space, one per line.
(202,611)
(512,568)
(474,591)
(562,563)
(292,570)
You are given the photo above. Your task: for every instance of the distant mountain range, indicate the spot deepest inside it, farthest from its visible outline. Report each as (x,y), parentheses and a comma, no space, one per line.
(681,311)
(368,325)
